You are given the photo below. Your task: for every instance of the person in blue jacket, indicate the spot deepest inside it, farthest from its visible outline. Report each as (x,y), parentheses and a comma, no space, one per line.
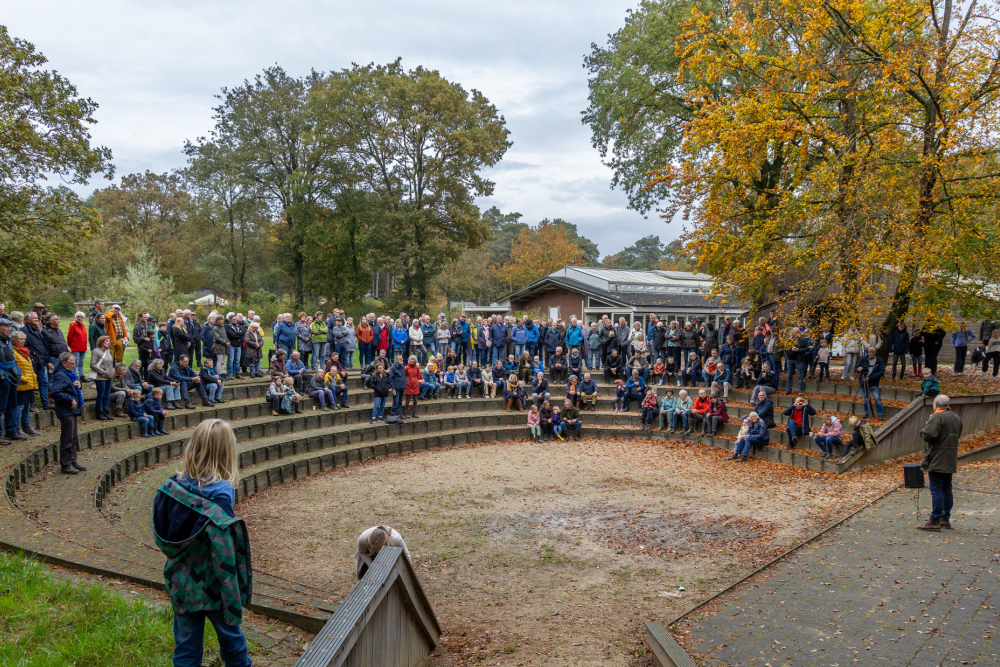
(532,335)
(154,408)
(574,335)
(284,335)
(498,336)
(397,383)
(182,373)
(465,354)
(399,337)
(960,341)
(757,436)
(207,339)
(518,336)
(67,400)
(428,330)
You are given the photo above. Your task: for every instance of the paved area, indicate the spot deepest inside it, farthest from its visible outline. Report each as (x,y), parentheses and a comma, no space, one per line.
(874,591)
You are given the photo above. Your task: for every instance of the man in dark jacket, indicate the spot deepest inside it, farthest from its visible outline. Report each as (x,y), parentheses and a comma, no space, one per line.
(871,370)
(797,360)
(498,338)
(182,373)
(933,340)
(194,330)
(613,365)
(55,341)
(941,435)
(899,346)
(235,333)
(67,401)
(557,366)
(35,342)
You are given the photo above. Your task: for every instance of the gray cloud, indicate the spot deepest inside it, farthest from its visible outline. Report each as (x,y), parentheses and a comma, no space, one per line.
(154,68)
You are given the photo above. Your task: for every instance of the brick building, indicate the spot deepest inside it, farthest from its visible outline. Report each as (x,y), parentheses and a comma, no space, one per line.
(590,293)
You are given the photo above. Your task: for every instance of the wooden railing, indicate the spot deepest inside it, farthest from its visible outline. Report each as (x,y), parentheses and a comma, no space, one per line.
(901,434)
(385,621)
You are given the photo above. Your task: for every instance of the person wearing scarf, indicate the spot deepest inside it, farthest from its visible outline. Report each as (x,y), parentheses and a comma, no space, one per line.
(68,400)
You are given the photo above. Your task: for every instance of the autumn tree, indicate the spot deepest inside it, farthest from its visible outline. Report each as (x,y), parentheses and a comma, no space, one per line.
(801,170)
(148,211)
(44,132)
(538,251)
(418,143)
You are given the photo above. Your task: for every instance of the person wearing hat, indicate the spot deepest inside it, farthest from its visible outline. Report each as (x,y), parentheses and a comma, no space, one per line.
(117,332)
(67,400)
(10,377)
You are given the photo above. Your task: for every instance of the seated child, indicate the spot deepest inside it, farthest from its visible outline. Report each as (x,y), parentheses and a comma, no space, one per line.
(534,421)
(137,413)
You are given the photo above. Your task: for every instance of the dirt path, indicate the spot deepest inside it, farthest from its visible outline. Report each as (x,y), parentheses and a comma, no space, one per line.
(554,553)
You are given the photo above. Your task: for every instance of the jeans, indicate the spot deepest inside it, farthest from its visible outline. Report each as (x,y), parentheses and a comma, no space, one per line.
(340,351)
(538,399)
(896,359)
(186,387)
(824,368)
(518,350)
(320,352)
(466,387)
(233,359)
(189,640)
(794,367)
(81,370)
(746,445)
(42,371)
(562,427)
(877,395)
(595,356)
(793,430)
(171,393)
(145,425)
(364,353)
(941,497)
(378,409)
(103,392)
(827,443)
(428,389)
(324,396)
(397,402)
(214,392)
(684,418)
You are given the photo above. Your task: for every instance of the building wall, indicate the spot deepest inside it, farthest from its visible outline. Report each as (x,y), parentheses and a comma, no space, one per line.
(569,303)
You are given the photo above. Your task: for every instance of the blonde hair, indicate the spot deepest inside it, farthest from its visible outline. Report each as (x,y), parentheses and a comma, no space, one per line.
(210,455)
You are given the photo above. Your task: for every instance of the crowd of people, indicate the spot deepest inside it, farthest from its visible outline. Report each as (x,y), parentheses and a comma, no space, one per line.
(405,360)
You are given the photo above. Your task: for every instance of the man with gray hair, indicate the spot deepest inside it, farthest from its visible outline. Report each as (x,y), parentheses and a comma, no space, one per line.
(941,434)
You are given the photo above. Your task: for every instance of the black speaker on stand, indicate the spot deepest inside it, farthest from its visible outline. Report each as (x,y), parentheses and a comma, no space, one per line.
(913,476)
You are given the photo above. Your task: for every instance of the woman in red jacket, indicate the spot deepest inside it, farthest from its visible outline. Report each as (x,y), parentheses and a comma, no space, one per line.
(76,339)
(414,378)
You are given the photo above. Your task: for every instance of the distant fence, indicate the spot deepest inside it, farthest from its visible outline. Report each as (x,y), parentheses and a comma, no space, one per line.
(386,621)
(901,435)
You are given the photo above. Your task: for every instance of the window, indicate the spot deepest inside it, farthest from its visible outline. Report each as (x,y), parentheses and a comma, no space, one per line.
(553,312)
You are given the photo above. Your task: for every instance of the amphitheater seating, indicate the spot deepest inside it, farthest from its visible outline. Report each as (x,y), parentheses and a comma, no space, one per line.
(82,521)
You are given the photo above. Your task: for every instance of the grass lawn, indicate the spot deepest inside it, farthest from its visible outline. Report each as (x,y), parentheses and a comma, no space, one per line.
(49,622)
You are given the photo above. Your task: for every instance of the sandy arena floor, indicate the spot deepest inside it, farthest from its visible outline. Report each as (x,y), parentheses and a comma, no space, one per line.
(554,553)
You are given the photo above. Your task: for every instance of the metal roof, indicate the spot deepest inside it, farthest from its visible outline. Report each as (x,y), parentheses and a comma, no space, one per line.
(679,278)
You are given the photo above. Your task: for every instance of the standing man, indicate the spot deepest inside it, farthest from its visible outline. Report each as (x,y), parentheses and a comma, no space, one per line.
(10,377)
(194,330)
(98,309)
(941,434)
(871,370)
(466,348)
(117,332)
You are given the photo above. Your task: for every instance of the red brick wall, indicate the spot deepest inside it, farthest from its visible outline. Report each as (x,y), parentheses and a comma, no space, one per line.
(569,303)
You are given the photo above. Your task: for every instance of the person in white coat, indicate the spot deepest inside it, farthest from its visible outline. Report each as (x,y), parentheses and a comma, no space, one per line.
(371,542)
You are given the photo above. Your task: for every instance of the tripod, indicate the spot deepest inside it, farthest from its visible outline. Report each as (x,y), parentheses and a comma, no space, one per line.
(864,389)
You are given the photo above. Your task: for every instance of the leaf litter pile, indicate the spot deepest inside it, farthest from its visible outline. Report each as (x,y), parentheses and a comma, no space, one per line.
(555,551)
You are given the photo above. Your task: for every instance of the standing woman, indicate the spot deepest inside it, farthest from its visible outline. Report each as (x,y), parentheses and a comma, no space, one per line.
(68,402)
(417,341)
(364,334)
(442,335)
(319,331)
(350,343)
(383,336)
(29,383)
(96,331)
(254,346)
(77,339)
(960,341)
(303,338)
(414,378)
(103,365)
(220,342)
(207,341)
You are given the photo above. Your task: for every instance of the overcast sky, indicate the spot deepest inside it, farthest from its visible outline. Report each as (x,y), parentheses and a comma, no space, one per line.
(154,68)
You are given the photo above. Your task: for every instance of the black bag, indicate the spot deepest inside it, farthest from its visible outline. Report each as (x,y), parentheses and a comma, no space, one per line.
(394,419)
(913,476)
